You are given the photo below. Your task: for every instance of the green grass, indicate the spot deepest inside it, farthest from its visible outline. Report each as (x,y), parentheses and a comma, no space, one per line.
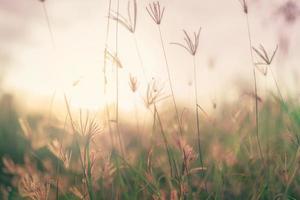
(233,167)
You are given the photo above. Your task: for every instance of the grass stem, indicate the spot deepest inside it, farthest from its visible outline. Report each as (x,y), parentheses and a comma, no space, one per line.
(170,80)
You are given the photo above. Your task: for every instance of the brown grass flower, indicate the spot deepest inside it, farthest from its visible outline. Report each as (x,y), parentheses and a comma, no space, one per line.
(60,152)
(130,22)
(88,127)
(113,58)
(133,83)
(156,12)
(32,187)
(192,42)
(265,57)
(155,93)
(244,5)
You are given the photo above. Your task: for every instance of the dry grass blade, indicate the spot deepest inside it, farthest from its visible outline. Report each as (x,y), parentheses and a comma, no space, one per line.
(191,44)
(156,12)
(130,23)
(113,58)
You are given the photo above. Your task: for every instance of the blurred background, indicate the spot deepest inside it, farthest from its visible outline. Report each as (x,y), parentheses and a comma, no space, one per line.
(57,47)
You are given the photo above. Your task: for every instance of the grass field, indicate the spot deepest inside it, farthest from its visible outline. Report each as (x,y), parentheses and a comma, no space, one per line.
(248,148)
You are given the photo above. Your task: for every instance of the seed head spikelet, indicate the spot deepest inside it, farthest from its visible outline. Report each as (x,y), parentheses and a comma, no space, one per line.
(191,44)
(130,22)
(156,12)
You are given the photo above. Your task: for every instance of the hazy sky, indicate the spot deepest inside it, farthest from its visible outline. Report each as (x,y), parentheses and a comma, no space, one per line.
(37,69)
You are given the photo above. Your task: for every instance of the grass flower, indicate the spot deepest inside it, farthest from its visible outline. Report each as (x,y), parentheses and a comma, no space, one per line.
(265,57)
(113,58)
(156,12)
(32,187)
(266,61)
(191,42)
(244,5)
(133,83)
(60,152)
(246,11)
(130,22)
(191,46)
(155,93)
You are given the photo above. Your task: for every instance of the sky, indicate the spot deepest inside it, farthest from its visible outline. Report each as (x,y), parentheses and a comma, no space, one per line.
(41,64)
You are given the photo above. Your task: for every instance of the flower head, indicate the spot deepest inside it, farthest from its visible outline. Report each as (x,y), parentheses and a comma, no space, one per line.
(155,93)
(130,22)
(244,6)
(192,42)
(156,12)
(133,83)
(266,59)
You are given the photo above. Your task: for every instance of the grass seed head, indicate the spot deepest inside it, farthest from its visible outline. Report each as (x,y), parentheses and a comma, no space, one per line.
(156,12)
(155,93)
(130,22)
(133,83)
(244,6)
(192,42)
(265,57)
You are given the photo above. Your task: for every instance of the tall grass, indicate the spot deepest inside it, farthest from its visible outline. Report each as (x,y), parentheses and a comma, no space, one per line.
(191,46)
(246,12)
(45,11)
(105,81)
(74,160)
(156,12)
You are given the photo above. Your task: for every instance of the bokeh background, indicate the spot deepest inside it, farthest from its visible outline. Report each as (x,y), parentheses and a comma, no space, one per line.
(38,70)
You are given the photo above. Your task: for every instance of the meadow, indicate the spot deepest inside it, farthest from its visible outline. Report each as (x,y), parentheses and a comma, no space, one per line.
(248,148)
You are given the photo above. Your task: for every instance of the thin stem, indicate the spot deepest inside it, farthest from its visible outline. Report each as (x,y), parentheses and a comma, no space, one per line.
(140,57)
(197,111)
(48,24)
(197,117)
(117,81)
(76,141)
(89,172)
(105,76)
(51,106)
(276,83)
(255,89)
(117,68)
(136,114)
(57,179)
(164,139)
(170,81)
